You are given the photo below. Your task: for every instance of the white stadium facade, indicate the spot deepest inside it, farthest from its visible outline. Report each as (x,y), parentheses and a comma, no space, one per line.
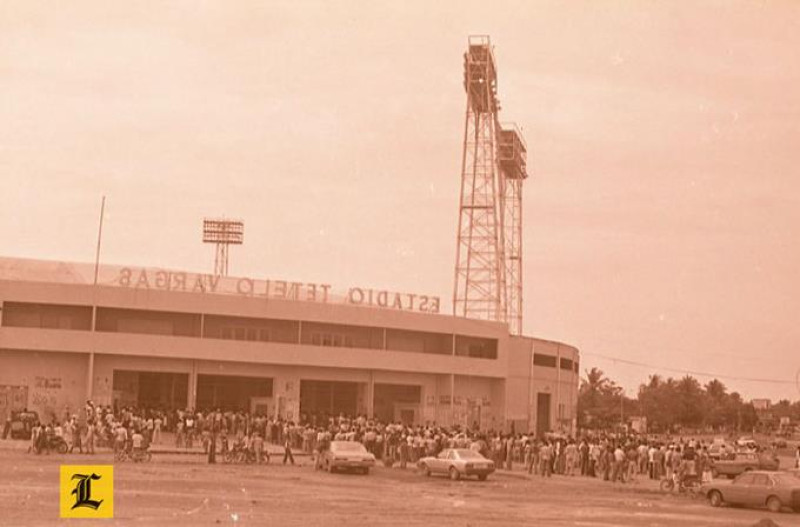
(172,339)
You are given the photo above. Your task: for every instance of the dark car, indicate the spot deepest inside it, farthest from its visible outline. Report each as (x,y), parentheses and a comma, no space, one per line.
(774,490)
(22,423)
(744,462)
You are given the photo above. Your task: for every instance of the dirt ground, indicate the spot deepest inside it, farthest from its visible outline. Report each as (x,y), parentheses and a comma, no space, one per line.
(180,489)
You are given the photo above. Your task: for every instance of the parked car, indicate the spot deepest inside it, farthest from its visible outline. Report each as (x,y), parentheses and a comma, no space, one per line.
(347,455)
(774,490)
(720,450)
(457,463)
(747,443)
(780,443)
(22,423)
(744,462)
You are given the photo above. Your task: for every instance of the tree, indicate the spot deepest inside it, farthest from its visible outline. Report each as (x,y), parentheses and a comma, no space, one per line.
(600,401)
(691,409)
(716,400)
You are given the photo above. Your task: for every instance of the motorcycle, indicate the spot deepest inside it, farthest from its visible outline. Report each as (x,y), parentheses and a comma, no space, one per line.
(242,455)
(685,485)
(52,443)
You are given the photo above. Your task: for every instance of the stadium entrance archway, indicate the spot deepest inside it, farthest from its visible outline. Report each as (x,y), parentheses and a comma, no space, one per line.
(150,389)
(322,399)
(231,392)
(397,402)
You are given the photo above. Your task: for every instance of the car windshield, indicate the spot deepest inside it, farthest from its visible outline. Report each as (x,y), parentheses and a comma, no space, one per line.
(468,454)
(347,447)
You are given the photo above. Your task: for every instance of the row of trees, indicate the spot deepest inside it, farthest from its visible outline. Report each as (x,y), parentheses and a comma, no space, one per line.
(670,405)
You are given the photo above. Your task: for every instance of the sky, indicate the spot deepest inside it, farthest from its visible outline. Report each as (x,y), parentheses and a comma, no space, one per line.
(661,213)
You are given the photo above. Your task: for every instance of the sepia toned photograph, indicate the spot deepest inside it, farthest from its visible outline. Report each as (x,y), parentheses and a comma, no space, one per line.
(345,263)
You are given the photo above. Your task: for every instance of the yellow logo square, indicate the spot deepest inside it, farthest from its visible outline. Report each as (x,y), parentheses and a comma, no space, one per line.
(87,491)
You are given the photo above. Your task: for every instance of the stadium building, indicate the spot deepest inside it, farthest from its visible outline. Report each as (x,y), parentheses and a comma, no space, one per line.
(171,339)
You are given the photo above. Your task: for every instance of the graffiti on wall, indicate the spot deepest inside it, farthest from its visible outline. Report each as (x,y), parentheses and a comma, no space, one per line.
(44,396)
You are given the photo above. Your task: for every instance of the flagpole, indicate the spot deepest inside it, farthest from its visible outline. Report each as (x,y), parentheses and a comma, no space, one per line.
(90,367)
(99,238)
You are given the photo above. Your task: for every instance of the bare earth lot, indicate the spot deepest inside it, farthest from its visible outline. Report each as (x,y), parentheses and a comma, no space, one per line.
(177,489)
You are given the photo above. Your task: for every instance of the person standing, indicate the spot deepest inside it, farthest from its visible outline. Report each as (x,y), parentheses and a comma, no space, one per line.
(570,456)
(76,431)
(584,454)
(89,437)
(404,451)
(35,431)
(258,447)
(546,459)
(7,427)
(529,456)
(121,438)
(157,422)
(618,464)
(287,449)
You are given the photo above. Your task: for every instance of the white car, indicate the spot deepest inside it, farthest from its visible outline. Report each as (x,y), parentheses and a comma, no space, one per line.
(347,455)
(457,462)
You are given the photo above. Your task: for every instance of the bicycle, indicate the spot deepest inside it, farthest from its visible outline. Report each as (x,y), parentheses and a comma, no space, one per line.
(141,455)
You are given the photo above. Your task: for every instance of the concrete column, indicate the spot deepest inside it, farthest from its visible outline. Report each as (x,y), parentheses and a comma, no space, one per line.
(90,376)
(193,386)
(530,389)
(371,395)
(559,415)
(90,365)
(452,399)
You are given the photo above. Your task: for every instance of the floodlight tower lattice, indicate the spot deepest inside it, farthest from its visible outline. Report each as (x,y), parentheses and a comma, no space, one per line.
(222,233)
(488,272)
(512,153)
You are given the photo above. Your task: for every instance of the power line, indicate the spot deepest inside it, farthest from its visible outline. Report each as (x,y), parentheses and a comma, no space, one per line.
(689,372)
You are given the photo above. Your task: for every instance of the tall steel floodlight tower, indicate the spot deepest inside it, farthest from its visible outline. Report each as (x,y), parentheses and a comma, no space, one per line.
(488,273)
(512,156)
(222,233)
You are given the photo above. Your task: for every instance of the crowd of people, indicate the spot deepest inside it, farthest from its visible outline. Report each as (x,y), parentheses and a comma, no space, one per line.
(614,458)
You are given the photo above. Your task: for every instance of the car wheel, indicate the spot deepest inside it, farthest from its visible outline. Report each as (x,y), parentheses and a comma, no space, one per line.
(482,477)
(715,498)
(667,485)
(774,504)
(425,470)
(365,471)
(455,475)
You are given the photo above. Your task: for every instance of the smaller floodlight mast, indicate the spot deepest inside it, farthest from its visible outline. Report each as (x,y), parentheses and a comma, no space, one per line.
(222,232)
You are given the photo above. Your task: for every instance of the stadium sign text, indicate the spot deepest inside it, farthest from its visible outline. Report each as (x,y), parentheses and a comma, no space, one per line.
(278,289)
